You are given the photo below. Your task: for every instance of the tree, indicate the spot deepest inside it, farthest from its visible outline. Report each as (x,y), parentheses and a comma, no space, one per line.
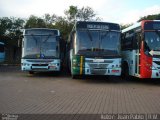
(10,34)
(5,24)
(86,14)
(150,17)
(50,20)
(64,26)
(71,13)
(82,14)
(125,26)
(35,22)
(11,27)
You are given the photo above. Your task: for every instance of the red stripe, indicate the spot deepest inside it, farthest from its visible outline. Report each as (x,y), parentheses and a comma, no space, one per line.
(145,64)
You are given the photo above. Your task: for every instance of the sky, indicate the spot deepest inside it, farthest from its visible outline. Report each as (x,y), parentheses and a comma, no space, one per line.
(117,11)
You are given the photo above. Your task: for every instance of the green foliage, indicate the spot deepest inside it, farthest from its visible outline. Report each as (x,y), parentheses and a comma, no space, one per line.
(35,22)
(64,26)
(50,20)
(71,13)
(86,14)
(5,24)
(82,14)
(125,26)
(10,29)
(150,17)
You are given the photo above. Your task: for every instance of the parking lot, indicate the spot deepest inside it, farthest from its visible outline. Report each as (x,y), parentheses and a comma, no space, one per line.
(49,93)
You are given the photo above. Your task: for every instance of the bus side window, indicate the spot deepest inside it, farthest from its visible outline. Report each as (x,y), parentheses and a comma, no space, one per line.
(136,40)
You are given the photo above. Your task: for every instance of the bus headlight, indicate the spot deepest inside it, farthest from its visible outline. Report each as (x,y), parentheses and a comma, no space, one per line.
(25,64)
(52,64)
(76,64)
(152,68)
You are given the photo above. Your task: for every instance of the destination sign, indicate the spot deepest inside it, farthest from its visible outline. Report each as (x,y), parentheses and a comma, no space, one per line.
(97,25)
(152,25)
(91,26)
(41,32)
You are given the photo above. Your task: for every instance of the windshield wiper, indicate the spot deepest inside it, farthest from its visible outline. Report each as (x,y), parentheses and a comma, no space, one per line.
(89,35)
(34,38)
(106,33)
(46,38)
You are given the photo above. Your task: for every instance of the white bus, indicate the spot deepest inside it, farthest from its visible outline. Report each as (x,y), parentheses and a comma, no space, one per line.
(41,50)
(141,49)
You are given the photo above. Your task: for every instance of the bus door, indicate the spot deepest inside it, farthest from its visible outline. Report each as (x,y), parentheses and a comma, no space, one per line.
(136,44)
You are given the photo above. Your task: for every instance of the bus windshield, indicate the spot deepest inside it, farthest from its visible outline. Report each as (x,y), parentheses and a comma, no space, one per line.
(152,41)
(97,42)
(40,46)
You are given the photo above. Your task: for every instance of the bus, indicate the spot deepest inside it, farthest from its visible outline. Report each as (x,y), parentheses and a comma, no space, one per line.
(93,48)
(141,50)
(41,50)
(2,52)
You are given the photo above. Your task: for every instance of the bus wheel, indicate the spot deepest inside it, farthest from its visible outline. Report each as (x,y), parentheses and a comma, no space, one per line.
(76,77)
(31,72)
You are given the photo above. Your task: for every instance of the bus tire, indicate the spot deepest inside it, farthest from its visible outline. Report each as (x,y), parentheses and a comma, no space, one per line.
(31,72)
(76,77)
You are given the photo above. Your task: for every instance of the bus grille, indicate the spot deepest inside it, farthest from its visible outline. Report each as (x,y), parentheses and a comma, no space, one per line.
(40,60)
(91,65)
(39,64)
(40,69)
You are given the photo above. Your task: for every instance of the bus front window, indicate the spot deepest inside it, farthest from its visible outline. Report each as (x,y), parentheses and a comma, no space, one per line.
(41,45)
(152,41)
(110,42)
(97,42)
(87,40)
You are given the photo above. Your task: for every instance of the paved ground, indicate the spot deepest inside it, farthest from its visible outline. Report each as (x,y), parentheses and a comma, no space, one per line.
(21,93)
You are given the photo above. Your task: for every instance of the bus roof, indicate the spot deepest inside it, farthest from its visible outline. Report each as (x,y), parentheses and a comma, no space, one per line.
(138,24)
(41,31)
(131,27)
(97,25)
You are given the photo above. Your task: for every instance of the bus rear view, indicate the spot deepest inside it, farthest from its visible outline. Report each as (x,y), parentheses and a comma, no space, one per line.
(41,50)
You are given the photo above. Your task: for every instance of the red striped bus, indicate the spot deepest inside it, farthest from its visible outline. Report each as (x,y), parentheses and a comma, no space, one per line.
(141,49)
